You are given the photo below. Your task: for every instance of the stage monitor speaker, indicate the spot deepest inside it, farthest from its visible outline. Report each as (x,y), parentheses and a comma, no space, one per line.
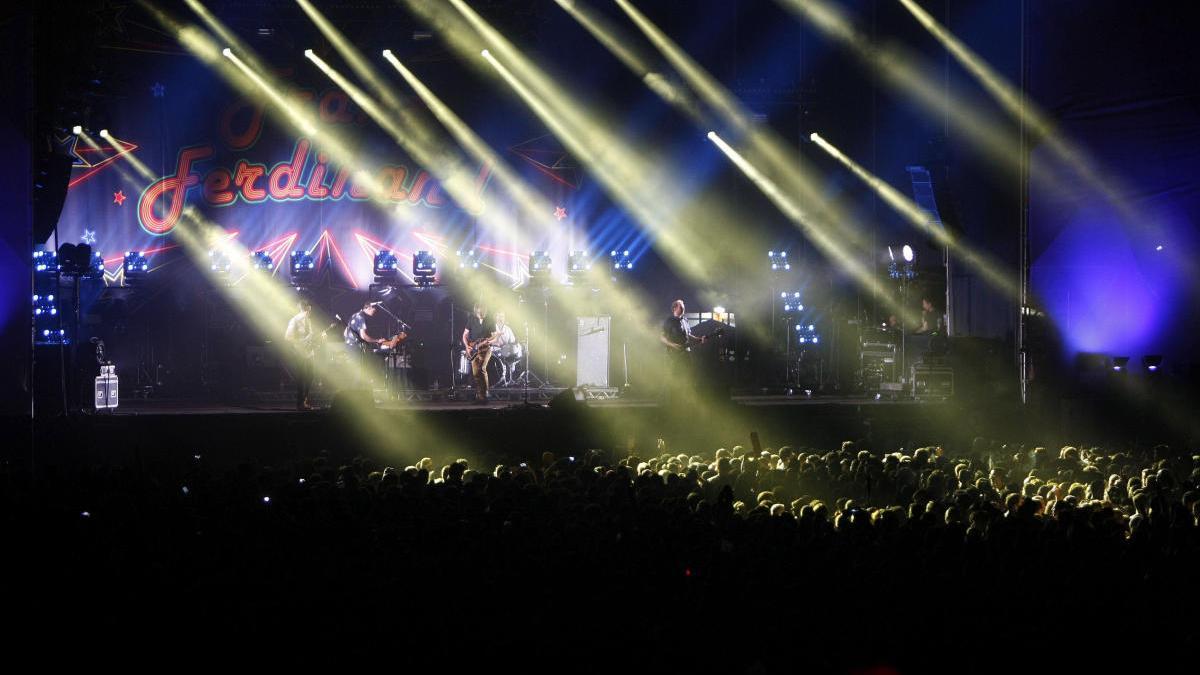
(567,399)
(591,355)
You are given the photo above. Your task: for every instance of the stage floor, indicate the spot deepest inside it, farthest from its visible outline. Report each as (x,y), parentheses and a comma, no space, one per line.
(164,406)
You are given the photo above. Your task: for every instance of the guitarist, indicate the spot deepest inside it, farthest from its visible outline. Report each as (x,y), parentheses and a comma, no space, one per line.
(300,334)
(477,338)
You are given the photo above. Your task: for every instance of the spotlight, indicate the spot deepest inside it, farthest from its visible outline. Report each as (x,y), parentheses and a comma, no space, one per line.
(304,268)
(905,268)
(424,268)
(96,269)
(539,266)
(46,262)
(219,262)
(104,133)
(791,302)
(308,53)
(1156,248)
(1120,363)
(1152,362)
(807,334)
(578,265)
(260,260)
(387,53)
(468,260)
(135,266)
(779,261)
(227,53)
(79,130)
(621,262)
(386,266)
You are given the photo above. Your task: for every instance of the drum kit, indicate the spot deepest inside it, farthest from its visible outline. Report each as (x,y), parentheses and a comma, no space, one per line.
(502,368)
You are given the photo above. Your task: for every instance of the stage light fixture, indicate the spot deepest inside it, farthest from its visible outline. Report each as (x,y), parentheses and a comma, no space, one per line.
(135,266)
(621,262)
(104,133)
(304,268)
(260,260)
(219,262)
(806,334)
(539,266)
(1152,362)
(96,268)
(1120,363)
(77,130)
(779,261)
(227,53)
(424,268)
(386,266)
(791,302)
(578,265)
(905,267)
(45,262)
(468,260)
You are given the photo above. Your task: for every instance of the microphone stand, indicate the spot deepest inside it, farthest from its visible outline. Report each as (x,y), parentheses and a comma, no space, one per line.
(394,356)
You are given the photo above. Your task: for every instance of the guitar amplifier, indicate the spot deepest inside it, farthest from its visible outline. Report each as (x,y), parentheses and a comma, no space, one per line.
(106,388)
(930,382)
(591,360)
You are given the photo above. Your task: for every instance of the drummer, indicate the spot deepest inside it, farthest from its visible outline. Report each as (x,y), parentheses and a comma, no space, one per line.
(507,347)
(506,339)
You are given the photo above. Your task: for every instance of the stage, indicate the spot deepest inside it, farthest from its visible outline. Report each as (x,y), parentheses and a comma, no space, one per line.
(497,432)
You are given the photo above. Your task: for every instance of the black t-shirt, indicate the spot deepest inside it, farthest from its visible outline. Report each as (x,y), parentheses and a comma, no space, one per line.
(477,330)
(676,330)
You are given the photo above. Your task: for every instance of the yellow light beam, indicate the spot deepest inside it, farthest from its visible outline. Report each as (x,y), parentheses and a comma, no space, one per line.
(819,237)
(267,304)
(536,208)
(990,270)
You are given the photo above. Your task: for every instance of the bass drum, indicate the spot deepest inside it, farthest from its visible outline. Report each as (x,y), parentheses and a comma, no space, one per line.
(511,352)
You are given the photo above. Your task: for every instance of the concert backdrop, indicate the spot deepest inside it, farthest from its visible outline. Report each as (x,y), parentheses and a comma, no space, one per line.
(231,159)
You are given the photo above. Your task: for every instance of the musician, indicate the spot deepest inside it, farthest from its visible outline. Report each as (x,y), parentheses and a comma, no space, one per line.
(931,320)
(477,339)
(300,334)
(505,337)
(676,333)
(506,342)
(356,335)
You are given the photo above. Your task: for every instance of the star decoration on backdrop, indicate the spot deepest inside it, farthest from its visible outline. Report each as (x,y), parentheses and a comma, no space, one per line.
(119,197)
(89,237)
(560,212)
(158,90)
(68,145)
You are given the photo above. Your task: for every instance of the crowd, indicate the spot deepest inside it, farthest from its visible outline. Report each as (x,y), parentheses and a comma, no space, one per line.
(772,560)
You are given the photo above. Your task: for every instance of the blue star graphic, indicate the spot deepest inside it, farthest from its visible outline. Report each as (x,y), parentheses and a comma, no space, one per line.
(158,89)
(89,237)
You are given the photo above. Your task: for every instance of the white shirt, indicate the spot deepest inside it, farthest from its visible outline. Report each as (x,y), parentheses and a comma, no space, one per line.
(506,336)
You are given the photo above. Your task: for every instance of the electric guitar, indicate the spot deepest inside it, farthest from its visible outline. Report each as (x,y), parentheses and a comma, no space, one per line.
(474,346)
(307,347)
(693,340)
